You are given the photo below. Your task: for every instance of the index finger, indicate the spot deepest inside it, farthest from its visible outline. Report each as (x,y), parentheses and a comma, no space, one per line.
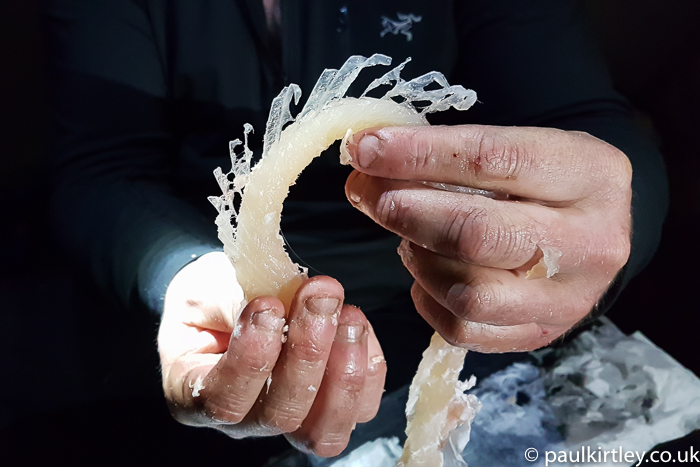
(538,163)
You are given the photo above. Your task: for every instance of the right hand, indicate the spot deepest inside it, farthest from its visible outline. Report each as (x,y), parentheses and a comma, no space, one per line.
(327,376)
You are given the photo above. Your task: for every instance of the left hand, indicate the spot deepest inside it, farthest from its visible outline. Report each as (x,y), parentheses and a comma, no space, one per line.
(469,254)
(250,378)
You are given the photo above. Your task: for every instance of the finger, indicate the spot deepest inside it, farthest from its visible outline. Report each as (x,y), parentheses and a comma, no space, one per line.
(313,319)
(496,296)
(182,381)
(493,233)
(537,163)
(230,389)
(482,337)
(375,377)
(470,228)
(326,430)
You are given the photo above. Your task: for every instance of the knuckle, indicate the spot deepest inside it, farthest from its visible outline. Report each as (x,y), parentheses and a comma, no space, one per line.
(283,418)
(460,300)
(612,169)
(611,256)
(352,380)
(421,151)
(391,210)
(620,165)
(499,158)
(484,303)
(475,235)
(495,241)
(253,362)
(308,351)
(227,411)
(619,253)
(488,300)
(466,234)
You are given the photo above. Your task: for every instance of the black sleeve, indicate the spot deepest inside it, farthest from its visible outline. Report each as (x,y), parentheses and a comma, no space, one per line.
(114,208)
(532,62)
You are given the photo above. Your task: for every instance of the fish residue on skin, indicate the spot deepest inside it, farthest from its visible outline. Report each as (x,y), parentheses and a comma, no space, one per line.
(197,386)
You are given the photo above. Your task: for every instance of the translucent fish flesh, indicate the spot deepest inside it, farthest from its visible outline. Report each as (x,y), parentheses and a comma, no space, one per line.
(251,233)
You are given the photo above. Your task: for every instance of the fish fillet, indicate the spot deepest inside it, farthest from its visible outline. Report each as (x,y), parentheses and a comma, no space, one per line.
(251,233)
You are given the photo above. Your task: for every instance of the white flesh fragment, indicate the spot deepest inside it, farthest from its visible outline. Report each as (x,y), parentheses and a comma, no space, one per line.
(256,247)
(547,266)
(437,405)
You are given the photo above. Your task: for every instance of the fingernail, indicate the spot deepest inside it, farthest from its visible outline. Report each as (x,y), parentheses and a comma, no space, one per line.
(355,198)
(350,333)
(368,149)
(267,320)
(322,305)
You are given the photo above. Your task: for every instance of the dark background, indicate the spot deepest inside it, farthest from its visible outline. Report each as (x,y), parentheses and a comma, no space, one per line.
(62,373)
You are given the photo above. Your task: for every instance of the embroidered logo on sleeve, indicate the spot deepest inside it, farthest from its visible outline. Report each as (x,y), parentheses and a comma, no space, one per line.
(401,26)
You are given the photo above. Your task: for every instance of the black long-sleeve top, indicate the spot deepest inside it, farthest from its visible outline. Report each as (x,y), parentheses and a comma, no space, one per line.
(146,94)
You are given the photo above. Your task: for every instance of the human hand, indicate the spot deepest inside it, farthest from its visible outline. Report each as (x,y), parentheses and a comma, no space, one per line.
(327,371)
(469,253)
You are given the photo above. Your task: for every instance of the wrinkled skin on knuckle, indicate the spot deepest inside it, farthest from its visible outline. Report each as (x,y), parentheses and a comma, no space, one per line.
(470,301)
(466,234)
(253,361)
(491,304)
(352,380)
(611,167)
(284,417)
(224,410)
(608,257)
(309,353)
(497,241)
(499,158)
(420,151)
(390,210)
(487,303)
